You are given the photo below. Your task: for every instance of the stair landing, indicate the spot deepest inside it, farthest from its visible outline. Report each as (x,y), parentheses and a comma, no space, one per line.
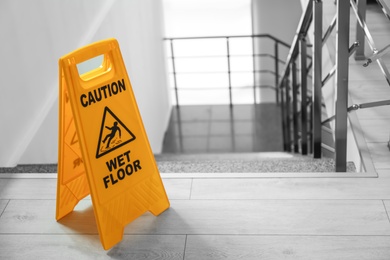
(222,128)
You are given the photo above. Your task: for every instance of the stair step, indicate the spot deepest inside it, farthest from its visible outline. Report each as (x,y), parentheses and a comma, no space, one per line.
(224,156)
(244,163)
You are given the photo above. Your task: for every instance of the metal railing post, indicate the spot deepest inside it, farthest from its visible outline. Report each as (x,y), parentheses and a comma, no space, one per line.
(303,79)
(254,68)
(317,80)
(174,74)
(288,114)
(359,54)
(276,50)
(342,62)
(229,72)
(284,116)
(295,105)
(310,136)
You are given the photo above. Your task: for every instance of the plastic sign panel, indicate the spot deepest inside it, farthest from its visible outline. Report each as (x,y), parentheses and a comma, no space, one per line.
(103,147)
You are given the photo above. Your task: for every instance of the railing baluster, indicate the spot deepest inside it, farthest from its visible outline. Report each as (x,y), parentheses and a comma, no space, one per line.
(229,72)
(303,80)
(283,111)
(254,68)
(288,114)
(174,74)
(310,138)
(295,105)
(317,80)
(276,54)
(342,61)
(329,30)
(361,5)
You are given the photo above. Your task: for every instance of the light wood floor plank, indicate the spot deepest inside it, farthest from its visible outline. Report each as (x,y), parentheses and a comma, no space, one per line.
(380,155)
(384,173)
(3,204)
(38,216)
(89,247)
(376,131)
(30,188)
(387,207)
(288,247)
(292,188)
(310,217)
(178,188)
(358,72)
(306,217)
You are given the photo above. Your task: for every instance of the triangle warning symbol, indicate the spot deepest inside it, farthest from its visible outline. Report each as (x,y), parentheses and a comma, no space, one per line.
(113,134)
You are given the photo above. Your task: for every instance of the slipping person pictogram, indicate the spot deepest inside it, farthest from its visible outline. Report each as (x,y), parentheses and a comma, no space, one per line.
(111,135)
(115,133)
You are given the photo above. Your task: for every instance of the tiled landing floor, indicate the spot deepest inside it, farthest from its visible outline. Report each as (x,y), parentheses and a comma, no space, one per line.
(221,128)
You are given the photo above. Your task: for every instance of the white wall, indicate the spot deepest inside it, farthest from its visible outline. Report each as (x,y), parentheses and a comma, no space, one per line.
(280,19)
(36,33)
(202,82)
(193,18)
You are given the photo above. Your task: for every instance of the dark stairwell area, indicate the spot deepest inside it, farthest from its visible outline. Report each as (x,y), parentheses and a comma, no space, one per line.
(224,129)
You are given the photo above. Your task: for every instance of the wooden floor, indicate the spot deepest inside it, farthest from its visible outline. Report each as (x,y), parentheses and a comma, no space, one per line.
(222,217)
(210,218)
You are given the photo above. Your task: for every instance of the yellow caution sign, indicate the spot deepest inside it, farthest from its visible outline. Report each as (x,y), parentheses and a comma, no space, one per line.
(103,147)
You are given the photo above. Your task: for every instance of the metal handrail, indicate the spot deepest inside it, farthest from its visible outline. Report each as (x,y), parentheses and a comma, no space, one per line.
(264,35)
(275,56)
(313,126)
(303,27)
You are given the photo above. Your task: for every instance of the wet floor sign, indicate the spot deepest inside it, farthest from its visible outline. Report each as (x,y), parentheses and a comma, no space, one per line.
(103,147)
